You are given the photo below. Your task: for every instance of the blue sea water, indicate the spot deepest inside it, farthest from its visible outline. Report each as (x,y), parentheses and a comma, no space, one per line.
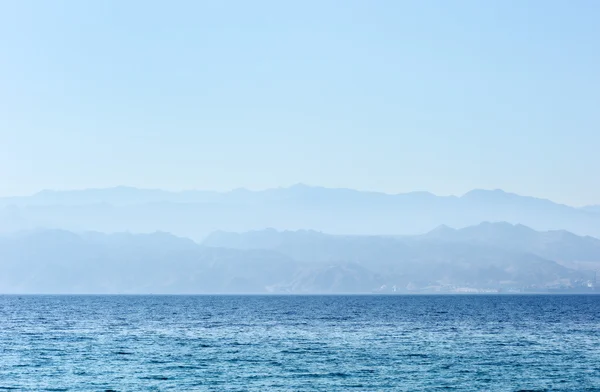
(300,343)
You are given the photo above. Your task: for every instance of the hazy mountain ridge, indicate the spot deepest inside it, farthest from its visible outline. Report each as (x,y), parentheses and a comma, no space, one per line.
(558,245)
(195,214)
(124,195)
(269,261)
(593,209)
(54,261)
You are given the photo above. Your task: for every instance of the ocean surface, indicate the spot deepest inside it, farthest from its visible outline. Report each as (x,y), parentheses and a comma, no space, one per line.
(300,343)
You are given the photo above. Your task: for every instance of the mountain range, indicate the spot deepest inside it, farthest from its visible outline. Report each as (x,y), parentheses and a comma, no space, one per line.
(195,214)
(488,256)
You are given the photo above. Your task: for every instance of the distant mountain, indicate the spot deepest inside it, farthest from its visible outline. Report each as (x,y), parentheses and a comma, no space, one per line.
(442,255)
(594,209)
(58,261)
(487,254)
(195,214)
(558,245)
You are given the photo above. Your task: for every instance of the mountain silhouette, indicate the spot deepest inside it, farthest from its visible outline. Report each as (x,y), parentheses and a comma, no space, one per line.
(195,214)
(271,261)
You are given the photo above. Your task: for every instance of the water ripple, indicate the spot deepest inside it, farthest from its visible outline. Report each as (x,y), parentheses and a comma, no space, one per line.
(296,343)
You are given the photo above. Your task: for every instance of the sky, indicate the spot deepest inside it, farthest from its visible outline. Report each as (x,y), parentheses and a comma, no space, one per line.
(391,96)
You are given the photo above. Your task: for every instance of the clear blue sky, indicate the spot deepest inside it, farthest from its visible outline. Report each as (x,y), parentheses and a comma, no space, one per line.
(444,96)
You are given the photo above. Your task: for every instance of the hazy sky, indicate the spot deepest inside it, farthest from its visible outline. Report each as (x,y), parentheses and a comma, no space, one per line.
(395,96)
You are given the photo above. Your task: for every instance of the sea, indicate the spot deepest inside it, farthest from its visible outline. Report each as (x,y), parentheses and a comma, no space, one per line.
(300,343)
